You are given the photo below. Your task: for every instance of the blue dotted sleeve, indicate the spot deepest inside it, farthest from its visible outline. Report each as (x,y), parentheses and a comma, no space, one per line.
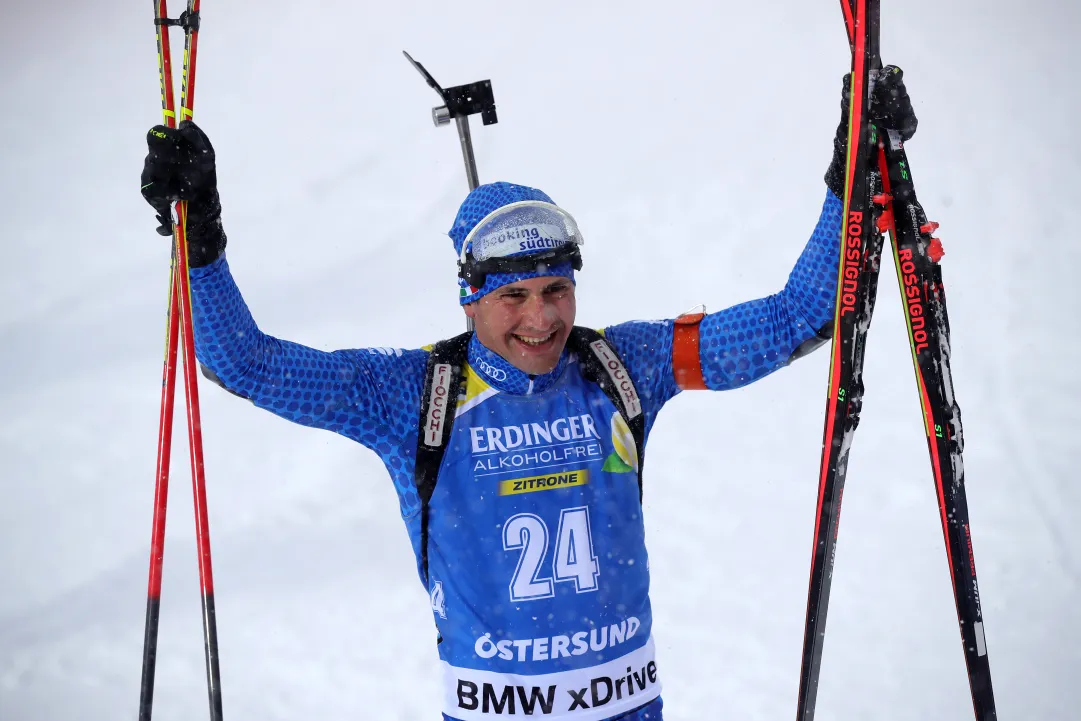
(370,395)
(748,341)
(743,343)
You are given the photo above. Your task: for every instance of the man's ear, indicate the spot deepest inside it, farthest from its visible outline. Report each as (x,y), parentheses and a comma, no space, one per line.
(470,309)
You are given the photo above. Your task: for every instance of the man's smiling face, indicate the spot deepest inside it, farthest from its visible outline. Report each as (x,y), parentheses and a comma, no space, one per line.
(528,322)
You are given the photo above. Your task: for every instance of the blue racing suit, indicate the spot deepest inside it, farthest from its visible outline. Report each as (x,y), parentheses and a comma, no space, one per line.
(538,572)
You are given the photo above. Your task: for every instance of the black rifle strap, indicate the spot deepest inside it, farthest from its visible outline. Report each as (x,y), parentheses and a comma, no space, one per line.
(438,404)
(601,364)
(443,381)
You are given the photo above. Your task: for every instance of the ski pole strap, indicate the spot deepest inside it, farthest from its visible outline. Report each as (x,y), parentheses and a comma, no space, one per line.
(686,361)
(188,20)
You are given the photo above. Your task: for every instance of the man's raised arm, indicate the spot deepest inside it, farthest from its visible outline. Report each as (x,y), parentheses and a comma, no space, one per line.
(367,395)
(741,344)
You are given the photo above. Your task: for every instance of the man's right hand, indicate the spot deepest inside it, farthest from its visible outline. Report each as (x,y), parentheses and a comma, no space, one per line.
(180,165)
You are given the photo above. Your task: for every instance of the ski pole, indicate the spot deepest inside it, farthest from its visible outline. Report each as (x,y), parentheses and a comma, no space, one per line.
(165,422)
(161,497)
(180,309)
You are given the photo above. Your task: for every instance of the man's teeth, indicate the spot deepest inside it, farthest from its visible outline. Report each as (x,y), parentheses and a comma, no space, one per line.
(534,341)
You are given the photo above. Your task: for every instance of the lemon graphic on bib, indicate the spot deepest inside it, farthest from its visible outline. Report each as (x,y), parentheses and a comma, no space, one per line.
(625,459)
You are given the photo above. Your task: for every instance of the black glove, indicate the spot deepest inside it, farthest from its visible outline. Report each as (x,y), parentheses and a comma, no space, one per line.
(891,109)
(179,165)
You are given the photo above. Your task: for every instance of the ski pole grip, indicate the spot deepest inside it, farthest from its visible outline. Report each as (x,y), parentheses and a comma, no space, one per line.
(187,20)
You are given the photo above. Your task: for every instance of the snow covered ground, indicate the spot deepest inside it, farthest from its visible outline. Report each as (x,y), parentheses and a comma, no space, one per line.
(693,165)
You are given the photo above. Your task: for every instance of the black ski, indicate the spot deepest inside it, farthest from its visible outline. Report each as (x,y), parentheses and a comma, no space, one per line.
(857,283)
(916,254)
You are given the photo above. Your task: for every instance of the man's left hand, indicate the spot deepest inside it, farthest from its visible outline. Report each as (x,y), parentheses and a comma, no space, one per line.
(891,109)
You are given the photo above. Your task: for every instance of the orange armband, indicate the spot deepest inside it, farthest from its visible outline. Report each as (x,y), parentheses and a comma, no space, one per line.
(686,361)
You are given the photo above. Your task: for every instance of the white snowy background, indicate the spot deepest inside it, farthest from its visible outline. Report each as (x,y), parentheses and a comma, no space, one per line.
(689,139)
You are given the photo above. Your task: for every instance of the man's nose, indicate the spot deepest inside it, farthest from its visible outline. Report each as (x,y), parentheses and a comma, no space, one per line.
(539,312)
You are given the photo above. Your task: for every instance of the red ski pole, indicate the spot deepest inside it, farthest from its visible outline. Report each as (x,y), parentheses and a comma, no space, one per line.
(179,324)
(165,422)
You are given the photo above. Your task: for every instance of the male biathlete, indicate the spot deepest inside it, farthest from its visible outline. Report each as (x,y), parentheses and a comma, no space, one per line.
(516,450)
